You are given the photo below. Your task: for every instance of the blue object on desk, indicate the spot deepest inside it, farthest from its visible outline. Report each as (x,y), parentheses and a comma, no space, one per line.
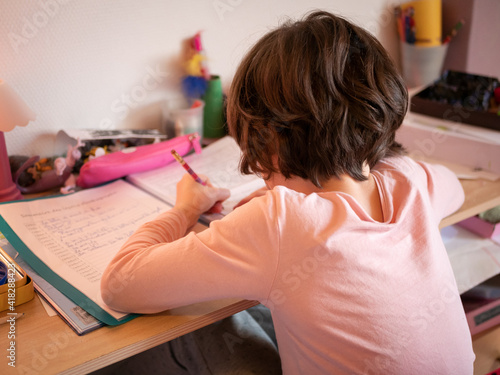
(3,273)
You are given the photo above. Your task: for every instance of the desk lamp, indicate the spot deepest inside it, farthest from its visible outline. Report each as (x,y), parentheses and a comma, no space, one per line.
(13,112)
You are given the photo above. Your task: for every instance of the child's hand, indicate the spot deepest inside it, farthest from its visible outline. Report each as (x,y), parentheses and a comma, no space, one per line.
(194,199)
(257,193)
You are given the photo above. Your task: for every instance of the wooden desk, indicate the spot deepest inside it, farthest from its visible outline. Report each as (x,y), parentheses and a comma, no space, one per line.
(480,195)
(46,345)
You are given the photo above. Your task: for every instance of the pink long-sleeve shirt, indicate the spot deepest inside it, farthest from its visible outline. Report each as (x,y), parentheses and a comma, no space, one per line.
(348,294)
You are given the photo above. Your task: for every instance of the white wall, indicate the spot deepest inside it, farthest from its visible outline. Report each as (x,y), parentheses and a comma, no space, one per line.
(476,47)
(103,63)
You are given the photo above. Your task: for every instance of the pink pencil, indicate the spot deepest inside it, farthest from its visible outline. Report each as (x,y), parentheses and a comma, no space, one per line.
(218,205)
(187,167)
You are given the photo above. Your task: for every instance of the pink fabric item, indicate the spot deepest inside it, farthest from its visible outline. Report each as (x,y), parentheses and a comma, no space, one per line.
(348,294)
(135,159)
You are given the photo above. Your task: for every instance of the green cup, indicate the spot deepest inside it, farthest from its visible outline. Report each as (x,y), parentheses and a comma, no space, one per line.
(213,113)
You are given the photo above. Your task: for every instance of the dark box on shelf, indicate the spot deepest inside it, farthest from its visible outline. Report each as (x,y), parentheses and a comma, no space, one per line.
(460,97)
(482,305)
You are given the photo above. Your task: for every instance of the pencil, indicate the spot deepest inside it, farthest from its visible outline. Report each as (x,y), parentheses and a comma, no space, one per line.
(454,31)
(187,167)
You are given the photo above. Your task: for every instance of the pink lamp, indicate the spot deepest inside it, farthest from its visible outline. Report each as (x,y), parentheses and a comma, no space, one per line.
(13,112)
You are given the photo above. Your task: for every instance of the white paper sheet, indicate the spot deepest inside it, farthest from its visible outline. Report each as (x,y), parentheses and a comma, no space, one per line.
(77,235)
(474,259)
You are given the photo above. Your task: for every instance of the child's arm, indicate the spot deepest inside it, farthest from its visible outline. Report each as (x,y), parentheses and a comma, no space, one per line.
(192,200)
(445,191)
(235,257)
(441,185)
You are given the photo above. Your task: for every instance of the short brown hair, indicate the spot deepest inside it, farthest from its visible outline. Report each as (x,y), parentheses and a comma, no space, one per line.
(322,94)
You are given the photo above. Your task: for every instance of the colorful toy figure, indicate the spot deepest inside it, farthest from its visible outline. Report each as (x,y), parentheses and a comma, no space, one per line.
(195,83)
(410,29)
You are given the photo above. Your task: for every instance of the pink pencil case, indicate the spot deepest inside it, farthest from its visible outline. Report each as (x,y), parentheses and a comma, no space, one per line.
(135,159)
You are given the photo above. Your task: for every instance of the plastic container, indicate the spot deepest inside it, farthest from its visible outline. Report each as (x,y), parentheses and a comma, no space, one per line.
(422,65)
(182,116)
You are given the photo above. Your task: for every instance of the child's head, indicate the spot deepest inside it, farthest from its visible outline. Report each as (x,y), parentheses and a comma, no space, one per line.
(320,96)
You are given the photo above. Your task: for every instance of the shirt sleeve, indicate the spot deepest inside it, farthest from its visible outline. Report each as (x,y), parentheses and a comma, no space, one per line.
(445,190)
(234,257)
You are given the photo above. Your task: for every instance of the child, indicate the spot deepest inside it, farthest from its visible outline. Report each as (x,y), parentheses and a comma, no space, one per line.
(344,246)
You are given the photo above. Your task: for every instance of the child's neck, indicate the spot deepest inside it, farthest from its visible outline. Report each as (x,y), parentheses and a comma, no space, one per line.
(365,192)
(345,184)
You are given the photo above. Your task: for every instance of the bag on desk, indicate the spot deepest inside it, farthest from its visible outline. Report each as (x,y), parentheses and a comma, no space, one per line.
(135,159)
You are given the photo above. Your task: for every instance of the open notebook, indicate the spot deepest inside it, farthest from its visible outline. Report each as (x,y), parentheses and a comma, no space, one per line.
(219,162)
(70,239)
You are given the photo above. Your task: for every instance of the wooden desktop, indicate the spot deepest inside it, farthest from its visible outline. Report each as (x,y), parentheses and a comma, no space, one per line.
(46,345)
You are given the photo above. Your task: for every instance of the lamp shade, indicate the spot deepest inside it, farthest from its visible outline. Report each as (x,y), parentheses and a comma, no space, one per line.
(13,110)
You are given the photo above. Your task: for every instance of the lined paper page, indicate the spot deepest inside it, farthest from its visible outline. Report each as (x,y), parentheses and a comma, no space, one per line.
(218,161)
(77,235)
